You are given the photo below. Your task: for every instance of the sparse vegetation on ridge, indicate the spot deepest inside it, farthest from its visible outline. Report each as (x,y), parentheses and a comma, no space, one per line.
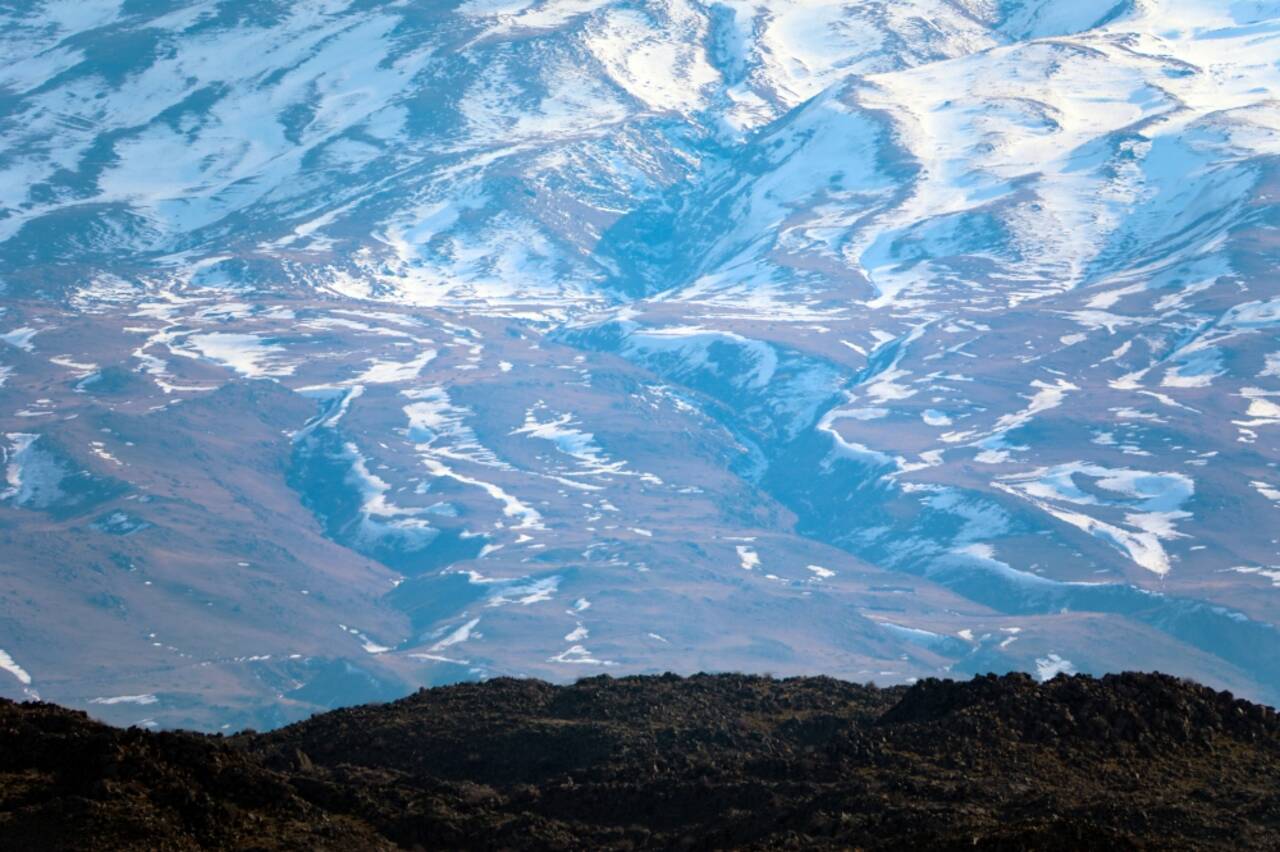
(1133,761)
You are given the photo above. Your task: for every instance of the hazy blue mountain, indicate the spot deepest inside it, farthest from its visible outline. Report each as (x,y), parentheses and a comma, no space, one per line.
(352,346)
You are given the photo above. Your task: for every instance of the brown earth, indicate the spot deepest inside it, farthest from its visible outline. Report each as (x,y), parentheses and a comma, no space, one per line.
(1131,761)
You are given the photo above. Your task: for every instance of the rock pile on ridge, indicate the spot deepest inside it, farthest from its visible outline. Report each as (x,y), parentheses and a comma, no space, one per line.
(1133,761)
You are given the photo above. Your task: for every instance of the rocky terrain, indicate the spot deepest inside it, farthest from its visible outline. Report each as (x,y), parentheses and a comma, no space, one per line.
(1132,761)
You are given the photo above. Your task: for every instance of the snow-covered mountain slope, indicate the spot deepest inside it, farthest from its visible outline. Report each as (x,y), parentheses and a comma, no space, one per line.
(352,346)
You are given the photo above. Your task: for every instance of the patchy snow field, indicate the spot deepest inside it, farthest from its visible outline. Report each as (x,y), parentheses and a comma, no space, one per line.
(877,339)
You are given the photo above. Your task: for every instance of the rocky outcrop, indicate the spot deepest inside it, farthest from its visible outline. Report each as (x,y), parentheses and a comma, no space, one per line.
(1132,761)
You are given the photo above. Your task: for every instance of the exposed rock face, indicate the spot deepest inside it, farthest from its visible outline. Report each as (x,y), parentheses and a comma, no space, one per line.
(1130,761)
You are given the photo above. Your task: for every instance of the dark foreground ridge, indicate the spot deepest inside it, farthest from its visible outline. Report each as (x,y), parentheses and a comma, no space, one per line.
(1129,761)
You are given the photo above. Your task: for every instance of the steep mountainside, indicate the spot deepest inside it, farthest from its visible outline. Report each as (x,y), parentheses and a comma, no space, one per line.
(349,347)
(1125,762)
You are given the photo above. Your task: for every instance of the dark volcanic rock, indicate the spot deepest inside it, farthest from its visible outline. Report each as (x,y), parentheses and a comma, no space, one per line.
(67,782)
(728,761)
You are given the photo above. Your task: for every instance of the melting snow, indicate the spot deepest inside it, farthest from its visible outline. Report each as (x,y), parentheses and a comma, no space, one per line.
(387,372)
(1272,573)
(461,634)
(1149,503)
(7,663)
(524,593)
(146,698)
(573,442)
(1051,666)
(20,338)
(578,655)
(247,354)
